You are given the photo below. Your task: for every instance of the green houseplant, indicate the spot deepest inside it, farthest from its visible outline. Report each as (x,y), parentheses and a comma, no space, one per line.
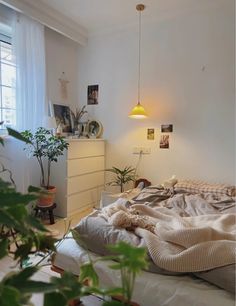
(122,176)
(46,148)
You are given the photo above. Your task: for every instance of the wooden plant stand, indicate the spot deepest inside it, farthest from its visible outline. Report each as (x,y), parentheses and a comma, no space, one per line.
(46,209)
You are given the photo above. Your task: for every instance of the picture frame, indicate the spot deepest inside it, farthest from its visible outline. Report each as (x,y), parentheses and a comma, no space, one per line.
(151,134)
(62,115)
(92,98)
(167,128)
(94,129)
(164,141)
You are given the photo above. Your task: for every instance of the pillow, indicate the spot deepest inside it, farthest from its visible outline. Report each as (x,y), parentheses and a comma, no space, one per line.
(203,187)
(170,183)
(96,233)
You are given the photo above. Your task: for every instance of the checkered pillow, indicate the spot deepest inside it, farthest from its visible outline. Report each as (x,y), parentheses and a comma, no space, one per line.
(203,187)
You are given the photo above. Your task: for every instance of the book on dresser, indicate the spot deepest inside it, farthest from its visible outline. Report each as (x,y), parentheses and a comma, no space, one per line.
(79,176)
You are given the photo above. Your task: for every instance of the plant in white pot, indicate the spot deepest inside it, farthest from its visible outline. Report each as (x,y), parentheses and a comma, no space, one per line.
(46,148)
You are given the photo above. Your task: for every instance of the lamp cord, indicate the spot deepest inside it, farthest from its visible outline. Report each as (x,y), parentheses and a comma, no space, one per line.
(139,57)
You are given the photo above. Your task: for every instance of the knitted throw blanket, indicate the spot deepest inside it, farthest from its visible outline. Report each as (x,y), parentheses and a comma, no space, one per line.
(180,244)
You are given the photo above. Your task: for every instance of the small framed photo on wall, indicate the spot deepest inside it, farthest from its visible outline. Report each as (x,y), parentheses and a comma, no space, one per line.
(150,134)
(164,142)
(92,94)
(167,128)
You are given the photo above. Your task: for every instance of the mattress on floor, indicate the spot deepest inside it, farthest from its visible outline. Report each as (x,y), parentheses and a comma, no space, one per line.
(150,289)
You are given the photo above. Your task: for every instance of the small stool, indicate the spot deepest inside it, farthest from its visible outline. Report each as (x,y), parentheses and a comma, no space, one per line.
(46,209)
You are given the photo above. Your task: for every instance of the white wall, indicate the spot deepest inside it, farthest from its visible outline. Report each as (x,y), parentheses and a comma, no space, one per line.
(187,79)
(61,56)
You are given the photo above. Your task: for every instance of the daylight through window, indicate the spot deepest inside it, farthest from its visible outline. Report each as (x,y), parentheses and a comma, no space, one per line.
(7,86)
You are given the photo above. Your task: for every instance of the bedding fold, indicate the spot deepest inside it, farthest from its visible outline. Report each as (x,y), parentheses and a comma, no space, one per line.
(179,244)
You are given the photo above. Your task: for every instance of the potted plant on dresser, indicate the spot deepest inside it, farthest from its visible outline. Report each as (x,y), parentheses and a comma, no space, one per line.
(46,148)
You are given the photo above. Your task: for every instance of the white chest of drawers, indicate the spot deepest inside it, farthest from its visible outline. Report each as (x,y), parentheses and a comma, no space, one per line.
(79,176)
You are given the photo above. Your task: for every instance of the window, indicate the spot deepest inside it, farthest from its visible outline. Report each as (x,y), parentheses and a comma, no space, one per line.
(7,84)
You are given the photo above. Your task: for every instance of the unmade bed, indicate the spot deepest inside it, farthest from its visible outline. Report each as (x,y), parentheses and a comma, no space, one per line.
(168,281)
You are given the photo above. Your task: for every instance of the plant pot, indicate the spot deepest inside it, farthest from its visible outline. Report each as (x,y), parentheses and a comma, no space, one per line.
(47,196)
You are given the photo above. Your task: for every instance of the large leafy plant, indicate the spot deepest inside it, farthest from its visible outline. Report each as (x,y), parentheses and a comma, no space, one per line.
(18,226)
(45,147)
(20,235)
(122,176)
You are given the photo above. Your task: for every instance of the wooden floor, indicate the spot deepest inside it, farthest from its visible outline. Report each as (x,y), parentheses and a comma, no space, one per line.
(61,224)
(58,229)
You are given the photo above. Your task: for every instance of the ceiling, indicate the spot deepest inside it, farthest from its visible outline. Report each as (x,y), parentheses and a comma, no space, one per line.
(99,15)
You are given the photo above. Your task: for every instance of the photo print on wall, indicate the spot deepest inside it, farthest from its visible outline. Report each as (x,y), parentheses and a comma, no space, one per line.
(150,134)
(167,128)
(164,142)
(92,94)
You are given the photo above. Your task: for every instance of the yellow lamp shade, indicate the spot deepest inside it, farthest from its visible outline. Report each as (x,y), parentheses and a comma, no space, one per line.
(138,112)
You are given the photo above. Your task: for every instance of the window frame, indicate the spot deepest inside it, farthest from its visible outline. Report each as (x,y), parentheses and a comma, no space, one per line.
(7,40)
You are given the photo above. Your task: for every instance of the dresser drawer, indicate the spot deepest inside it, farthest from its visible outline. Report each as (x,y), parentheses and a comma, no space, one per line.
(84,182)
(82,200)
(85,149)
(84,165)
(79,176)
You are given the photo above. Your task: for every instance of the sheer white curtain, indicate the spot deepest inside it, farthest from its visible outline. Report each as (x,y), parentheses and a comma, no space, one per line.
(29,50)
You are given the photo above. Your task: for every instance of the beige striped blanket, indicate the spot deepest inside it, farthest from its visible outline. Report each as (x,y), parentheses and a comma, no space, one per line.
(180,244)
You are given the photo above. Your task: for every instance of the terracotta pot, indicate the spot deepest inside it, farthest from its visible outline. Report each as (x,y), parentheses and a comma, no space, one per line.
(75,302)
(47,196)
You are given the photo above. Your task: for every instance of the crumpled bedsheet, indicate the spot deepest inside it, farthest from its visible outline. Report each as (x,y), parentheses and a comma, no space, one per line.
(97,232)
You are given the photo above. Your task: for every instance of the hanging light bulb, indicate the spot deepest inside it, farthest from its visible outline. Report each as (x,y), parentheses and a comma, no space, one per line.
(138,112)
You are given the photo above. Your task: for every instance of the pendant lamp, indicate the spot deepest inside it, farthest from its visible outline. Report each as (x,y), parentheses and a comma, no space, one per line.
(138,112)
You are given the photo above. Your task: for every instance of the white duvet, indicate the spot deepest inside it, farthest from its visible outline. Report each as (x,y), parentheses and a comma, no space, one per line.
(150,289)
